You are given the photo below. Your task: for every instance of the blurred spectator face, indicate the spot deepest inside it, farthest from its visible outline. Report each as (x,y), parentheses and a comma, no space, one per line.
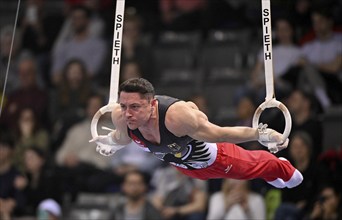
(5,152)
(27,73)
(302,6)
(245,108)
(131,29)
(6,40)
(94,104)
(299,150)
(74,75)
(33,162)
(297,102)
(5,44)
(329,201)
(134,186)
(322,25)
(26,121)
(79,20)
(27,115)
(130,70)
(284,31)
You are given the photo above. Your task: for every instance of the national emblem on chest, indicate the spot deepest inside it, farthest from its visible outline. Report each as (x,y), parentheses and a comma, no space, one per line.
(174,147)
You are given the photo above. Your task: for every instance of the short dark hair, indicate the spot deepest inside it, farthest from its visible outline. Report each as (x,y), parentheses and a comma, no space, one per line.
(138,85)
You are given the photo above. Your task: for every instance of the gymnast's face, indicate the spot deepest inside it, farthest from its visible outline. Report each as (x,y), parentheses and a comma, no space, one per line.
(136,109)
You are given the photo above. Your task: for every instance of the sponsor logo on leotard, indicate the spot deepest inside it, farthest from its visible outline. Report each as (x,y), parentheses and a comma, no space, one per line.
(229,167)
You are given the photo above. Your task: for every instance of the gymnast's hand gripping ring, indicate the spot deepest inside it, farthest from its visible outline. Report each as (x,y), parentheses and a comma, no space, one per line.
(273,103)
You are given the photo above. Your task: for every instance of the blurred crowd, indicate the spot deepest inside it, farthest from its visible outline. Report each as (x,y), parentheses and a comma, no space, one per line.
(59,77)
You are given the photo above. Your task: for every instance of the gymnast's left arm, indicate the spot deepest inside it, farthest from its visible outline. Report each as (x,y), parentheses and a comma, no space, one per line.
(184,118)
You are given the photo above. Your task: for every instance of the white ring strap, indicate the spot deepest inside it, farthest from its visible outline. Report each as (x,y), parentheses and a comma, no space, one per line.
(115,70)
(270,101)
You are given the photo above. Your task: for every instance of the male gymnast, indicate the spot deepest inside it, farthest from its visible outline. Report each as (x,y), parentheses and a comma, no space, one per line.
(177,132)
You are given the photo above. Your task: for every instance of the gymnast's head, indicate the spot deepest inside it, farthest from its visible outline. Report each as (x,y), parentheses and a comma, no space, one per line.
(137,102)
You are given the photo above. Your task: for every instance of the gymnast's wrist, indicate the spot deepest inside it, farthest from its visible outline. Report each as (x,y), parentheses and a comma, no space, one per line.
(111,137)
(256,134)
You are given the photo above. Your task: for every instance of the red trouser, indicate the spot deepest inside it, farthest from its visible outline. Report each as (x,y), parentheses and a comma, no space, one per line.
(235,162)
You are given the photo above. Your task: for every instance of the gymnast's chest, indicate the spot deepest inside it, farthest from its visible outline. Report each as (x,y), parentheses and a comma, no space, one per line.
(167,144)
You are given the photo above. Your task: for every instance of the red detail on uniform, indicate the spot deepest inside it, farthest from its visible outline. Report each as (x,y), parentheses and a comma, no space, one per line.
(243,164)
(137,140)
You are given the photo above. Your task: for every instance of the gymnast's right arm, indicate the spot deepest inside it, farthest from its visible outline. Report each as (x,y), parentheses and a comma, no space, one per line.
(116,139)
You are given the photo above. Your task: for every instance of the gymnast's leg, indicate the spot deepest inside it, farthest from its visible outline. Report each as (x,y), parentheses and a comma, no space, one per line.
(278,172)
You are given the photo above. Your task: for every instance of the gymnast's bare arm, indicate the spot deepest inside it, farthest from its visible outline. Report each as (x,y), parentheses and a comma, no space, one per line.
(120,134)
(184,118)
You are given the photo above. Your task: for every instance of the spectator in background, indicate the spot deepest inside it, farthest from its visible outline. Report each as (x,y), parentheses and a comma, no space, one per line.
(39,28)
(34,37)
(82,45)
(304,118)
(123,162)
(42,181)
(178,197)
(28,132)
(6,33)
(285,57)
(297,201)
(236,201)
(28,94)
(136,204)
(332,160)
(327,205)
(49,209)
(11,197)
(76,149)
(324,53)
(68,99)
(96,23)
(301,13)
(304,109)
(133,45)
(83,169)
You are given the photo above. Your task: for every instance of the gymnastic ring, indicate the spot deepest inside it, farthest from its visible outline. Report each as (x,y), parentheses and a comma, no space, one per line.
(97,116)
(273,103)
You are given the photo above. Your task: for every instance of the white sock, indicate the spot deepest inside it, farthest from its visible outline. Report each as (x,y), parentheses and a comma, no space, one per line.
(278,183)
(295,179)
